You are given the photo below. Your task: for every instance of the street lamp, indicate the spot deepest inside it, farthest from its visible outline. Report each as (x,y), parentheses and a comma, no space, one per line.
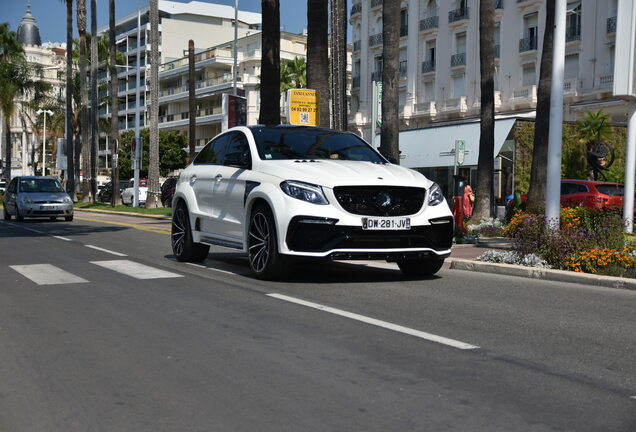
(45,112)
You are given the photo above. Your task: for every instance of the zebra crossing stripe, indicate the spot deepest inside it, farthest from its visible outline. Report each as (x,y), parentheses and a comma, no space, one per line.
(47,274)
(136,270)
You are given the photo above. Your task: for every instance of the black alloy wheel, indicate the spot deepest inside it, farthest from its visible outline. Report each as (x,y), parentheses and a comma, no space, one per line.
(183,248)
(265,261)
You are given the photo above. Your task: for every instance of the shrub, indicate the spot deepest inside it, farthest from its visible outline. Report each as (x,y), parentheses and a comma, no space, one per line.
(488,227)
(512,257)
(615,262)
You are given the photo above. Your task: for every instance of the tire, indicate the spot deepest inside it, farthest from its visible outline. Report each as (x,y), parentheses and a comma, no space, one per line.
(265,260)
(68,218)
(183,248)
(18,216)
(421,266)
(7,216)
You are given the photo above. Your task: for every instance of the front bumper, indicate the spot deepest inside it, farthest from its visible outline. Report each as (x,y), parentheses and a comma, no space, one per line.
(46,210)
(311,236)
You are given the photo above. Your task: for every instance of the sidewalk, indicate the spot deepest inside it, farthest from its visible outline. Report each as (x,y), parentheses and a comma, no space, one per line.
(463,258)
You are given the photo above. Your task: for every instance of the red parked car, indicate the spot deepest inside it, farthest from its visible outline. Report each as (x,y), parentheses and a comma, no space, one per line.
(590,194)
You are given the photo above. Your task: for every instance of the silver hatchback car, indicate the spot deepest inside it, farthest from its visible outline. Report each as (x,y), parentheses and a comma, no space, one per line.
(34,197)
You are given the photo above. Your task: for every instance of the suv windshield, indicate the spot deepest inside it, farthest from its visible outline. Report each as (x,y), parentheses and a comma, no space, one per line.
(312,143)
(40,185)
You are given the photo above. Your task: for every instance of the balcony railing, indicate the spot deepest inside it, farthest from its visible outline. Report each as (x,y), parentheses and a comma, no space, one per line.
(356,9)
(404,30)
(573,33)
(528,44)
(355,82)
(606,80)
(357,45)
(376,76)
(611,25)
(497,51)
(428,66)
(458,59)
(375,39)
(498,4)
(403,68)
(429,23)
(458,14)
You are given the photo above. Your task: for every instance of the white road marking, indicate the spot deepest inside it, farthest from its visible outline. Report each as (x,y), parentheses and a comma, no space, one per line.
(47,274)
(62,238)
(106,250)
(34,230)
(136,270)
(387,325)
(213,269)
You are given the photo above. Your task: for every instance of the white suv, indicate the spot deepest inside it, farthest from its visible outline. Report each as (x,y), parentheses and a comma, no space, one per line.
(287,191)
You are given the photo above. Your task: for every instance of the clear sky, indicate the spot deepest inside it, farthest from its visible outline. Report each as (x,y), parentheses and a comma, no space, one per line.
(51,14)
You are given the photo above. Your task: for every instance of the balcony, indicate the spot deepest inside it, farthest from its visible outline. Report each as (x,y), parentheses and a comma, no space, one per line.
(498,4)
(524,97)
(429,23)
(606,81)
(376,76)
(428,66)
(355,82)
(404,30)
(357,45)
(375,39)
(458,60)
(528,44)
(611,25)
(403,68)
(458,15)
(457,105)
(572,86)
(573,34)
(426,108)
(376,3)
(356,9)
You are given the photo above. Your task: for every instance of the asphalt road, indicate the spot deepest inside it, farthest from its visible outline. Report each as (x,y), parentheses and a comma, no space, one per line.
(102,330)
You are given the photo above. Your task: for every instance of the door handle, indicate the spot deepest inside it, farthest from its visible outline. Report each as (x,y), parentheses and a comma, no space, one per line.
(218,178)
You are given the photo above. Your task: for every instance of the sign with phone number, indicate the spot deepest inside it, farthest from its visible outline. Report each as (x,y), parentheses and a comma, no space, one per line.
(303,107)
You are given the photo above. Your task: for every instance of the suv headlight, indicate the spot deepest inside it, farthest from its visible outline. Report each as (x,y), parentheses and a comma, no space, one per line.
(304,192)
(435,195)
(67,200)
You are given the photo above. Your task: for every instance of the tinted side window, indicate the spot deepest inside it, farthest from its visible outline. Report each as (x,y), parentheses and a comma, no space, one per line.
(213,153)
(12,185)
(238,151)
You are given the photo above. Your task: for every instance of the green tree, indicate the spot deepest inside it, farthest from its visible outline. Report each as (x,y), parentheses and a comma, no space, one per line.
(171,151)
(595,126)
(293,74)
(83,147)
(114,100)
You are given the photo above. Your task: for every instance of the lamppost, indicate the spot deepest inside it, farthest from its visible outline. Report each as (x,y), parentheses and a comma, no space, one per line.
(45,112)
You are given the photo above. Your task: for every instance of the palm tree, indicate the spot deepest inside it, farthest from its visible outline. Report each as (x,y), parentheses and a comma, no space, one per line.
(339,62)
(12,64)
(595,126)
(83,147)
(153,198)
(94,109)
(70,151)
(192,102)
(538,171)
(270,64)
(293,74)
(485,164)
(318,54)
(114,102)
(390,146)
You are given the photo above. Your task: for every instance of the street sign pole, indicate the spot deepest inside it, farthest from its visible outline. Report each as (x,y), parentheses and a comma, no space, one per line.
(137,139)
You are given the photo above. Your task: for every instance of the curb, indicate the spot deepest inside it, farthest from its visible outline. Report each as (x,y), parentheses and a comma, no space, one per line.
(544,274)
(143,215)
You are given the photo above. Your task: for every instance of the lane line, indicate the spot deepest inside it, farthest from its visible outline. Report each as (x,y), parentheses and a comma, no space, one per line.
(136,270)
(34,230)
(129,225)
(61,238)
(387,325)
(213,269)
(47,274)
(106,250)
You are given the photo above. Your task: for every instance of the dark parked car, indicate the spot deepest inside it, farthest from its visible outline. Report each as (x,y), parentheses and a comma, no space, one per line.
(106,193)
(167,191)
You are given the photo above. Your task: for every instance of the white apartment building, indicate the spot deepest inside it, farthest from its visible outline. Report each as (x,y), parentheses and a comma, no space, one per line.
(439,70)
(207,24)
(214,77)
(26,136)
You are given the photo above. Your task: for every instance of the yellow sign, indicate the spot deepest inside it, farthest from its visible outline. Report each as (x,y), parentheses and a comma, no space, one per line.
(303,107)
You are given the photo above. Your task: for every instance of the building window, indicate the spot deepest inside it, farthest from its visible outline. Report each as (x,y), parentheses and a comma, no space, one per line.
(529,75)
(429,91)
(530,32)
(571,66)
(404,22)
(458,86)
(573,24)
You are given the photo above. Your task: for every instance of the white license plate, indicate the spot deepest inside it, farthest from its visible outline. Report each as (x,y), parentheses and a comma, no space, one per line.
(48,208)
(378,223)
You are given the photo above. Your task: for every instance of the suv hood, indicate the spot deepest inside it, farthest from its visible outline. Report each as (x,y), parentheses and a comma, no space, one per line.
(328,173)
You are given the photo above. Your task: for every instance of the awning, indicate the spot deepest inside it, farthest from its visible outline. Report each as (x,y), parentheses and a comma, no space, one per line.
(435,147)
